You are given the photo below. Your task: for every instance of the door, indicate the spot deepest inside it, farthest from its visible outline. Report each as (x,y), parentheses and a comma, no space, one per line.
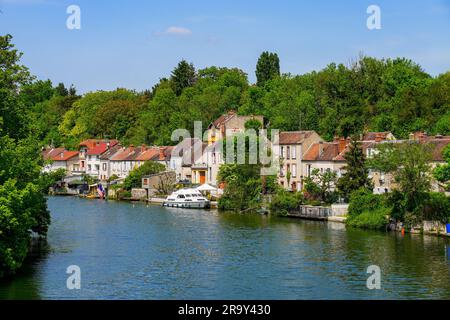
(202,177)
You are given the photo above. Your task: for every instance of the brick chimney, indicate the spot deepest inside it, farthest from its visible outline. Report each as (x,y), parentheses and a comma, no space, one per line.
(342,144)
(131,147)
(143,148)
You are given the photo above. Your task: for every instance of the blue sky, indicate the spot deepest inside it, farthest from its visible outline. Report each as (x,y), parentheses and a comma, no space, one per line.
(132,44)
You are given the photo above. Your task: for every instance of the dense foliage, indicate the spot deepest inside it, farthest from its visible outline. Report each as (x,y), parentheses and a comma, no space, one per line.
(368,210)
(22,204)
(378,95)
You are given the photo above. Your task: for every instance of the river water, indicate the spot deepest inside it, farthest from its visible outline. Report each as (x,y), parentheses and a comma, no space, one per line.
(135,251)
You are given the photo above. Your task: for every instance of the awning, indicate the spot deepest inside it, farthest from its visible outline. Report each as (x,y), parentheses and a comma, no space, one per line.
(206,187)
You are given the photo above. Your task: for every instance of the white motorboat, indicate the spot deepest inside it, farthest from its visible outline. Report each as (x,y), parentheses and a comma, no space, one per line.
(187,198)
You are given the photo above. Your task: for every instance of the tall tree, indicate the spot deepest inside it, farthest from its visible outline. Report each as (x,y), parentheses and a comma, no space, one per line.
(183,76)
(268,67)
(12,76)
(356,174)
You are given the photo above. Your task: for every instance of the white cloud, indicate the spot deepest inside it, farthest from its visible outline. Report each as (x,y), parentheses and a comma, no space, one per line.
(176,31)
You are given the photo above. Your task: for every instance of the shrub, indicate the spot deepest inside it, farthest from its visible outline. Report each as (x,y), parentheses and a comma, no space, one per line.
(284,201)
(436,207)
(370,219)
(368,210)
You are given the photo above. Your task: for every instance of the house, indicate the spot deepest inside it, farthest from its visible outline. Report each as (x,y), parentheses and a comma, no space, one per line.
(184,155)
(325,156)
(60,158)
(89,153)
(290,149)
(124,160)
(229,124)
(105,166)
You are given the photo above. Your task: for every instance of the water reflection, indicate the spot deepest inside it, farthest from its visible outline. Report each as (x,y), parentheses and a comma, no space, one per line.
(127,252)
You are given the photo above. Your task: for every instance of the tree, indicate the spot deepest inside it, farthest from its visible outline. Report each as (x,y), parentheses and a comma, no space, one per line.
(134,179)
(12,76)
(356,174)
(267,68)
(319,185)
(409,163)
(442,172)
(183,76)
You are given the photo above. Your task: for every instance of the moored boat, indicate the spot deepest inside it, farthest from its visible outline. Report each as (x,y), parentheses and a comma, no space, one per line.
(187,198)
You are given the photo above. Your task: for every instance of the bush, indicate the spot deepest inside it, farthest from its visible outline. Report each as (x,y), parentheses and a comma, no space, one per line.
(368,210)
(285,201)
(436,207)
(373,219)
(364,200)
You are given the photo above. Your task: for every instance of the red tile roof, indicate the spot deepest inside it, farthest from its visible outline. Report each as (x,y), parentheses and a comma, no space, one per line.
(293,137)
(65,155)
(329,153)
(93,143)
(50,153)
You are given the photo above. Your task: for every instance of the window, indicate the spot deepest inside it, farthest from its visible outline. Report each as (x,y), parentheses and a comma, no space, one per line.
(294,170)
(288,152)
(281,171)
(294,152)
(89,167)
(104,167)
(308,169)
(281,152)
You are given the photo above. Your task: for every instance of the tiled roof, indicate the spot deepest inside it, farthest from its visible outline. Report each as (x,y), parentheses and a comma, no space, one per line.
(65,155)
(329,153)
(124,154)
(364,145)
(293,137)
(92,143)
(372,136)
(110,152)
(148,153)
(49,153)
(224,118)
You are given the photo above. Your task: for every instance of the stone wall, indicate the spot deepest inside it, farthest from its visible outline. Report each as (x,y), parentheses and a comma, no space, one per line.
(138,194)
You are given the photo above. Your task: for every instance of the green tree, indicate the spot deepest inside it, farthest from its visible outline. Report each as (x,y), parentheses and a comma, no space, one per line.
(356,174)
(183,76)
(267,68)
(442,172)
(409,163)
(134,179)
(319,185)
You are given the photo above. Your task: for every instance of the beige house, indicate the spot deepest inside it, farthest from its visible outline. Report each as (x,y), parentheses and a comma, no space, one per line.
(229,124)
(290,149)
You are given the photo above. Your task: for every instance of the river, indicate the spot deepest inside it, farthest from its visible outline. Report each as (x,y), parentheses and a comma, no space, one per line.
(135,251)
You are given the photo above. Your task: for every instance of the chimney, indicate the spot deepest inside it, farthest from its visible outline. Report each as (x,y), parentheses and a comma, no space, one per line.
(107,146)
(336,139)
(411,136)
(438,136)
(143,148)
(320,148)
(342,144)
(131,147)
(161,153)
